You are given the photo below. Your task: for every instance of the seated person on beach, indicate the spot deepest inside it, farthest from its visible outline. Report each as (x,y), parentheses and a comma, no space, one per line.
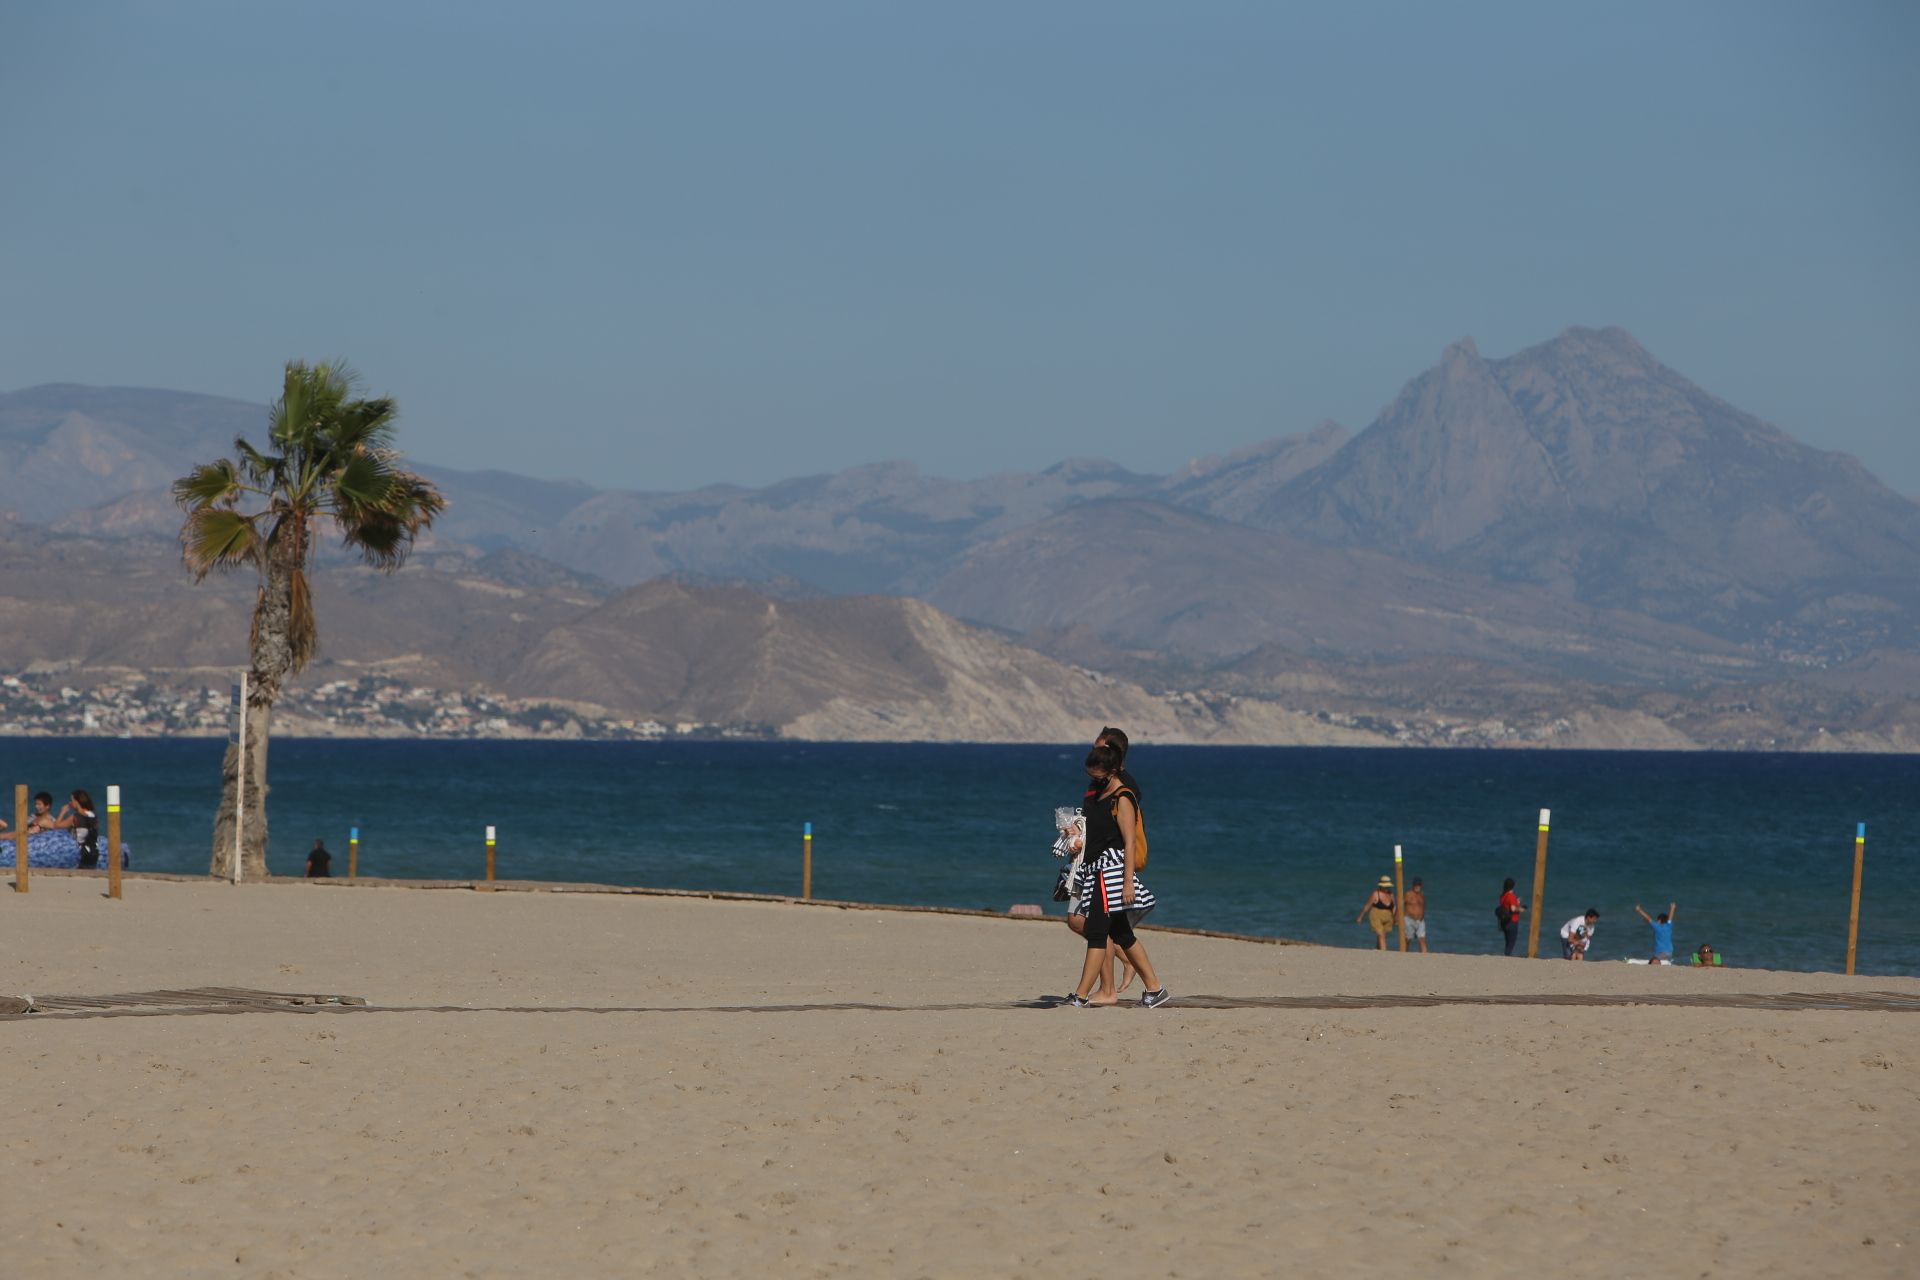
(1576,935)
(1662,932)
(319,862)
(1378,912)
(42,818)
(1706,956)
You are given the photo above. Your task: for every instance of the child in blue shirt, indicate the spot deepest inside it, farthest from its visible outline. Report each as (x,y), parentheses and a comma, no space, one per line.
(1662,933)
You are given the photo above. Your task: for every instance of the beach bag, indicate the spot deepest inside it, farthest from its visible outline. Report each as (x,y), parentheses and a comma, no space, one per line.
(1501,914)
(1063,885)
(1139,826)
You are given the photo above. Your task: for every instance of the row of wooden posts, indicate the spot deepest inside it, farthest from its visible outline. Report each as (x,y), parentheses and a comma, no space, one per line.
(112,833)
(1540,890)
(22,875)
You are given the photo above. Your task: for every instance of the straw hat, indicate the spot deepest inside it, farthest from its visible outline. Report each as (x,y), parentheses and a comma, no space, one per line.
(1386,882)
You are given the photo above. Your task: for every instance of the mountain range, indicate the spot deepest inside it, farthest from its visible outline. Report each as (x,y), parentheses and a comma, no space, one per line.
(1574,516)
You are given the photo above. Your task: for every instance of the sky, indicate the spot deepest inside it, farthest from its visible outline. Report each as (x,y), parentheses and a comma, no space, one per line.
(656,246)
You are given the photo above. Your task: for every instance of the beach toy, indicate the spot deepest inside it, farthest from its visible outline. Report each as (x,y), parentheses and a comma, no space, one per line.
(55,850)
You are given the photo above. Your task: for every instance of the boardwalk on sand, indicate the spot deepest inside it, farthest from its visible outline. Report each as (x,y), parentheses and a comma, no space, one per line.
(202,1000)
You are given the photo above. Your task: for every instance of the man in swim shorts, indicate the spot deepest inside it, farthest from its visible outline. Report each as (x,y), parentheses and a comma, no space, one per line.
(1413,914)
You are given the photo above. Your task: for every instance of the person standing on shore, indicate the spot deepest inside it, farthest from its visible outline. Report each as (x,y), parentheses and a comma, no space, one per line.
(319,862)
(1508,912)
(1413,914)
(1378,912)
(1662,932)
(1113,898)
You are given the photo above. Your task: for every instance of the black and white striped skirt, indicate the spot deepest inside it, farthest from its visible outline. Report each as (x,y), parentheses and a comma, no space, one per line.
(1100,884)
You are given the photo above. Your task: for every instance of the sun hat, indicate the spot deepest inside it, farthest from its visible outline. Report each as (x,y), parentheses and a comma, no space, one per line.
(1386,882)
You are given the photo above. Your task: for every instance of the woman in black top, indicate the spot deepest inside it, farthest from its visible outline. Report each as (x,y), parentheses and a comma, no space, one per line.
(79,815)
(1105,991)
(1113,898)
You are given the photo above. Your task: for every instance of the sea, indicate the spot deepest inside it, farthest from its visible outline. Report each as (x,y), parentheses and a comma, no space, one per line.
(1757,850)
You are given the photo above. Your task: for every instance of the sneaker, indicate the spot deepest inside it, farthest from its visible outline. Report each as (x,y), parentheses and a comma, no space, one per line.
(1154,999)
(1078,1002)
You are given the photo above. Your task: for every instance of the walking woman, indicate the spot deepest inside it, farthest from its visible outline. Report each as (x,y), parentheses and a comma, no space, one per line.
(1378,913)
(1111,897)
(1076,918)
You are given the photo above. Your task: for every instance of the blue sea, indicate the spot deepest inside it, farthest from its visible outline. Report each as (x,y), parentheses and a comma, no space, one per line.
(1756,849)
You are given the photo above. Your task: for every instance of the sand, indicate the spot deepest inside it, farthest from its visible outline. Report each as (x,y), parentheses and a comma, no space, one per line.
(1001,1141)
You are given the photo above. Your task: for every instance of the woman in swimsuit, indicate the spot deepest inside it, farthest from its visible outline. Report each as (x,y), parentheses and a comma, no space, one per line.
(1378,913)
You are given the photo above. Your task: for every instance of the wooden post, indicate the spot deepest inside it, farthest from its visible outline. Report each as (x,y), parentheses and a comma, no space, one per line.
(1399,892)
(1539,886)
(489,855)
(806,863)
(1853,912)
(20,854)
(113,842)
(353,853)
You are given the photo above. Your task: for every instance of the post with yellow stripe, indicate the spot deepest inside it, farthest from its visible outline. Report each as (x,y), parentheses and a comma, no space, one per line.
(20,854)
(1539,886)
(489,857)
(806,862)
(1399,893)
(353,853)
(113,842)
(1853,912)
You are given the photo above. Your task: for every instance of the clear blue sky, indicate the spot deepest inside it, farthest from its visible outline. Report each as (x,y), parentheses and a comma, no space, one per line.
(662,245)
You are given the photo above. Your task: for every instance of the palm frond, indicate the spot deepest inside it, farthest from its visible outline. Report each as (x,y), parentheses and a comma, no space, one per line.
(207,485)
(362,484)
(385,534)
(365,425)
(303,629)
(218,538)
(261,468)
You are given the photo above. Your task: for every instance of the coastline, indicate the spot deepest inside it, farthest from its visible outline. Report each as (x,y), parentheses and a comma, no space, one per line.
(653,1084)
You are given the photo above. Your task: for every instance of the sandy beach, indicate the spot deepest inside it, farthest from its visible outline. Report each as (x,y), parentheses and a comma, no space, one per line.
(572,1084)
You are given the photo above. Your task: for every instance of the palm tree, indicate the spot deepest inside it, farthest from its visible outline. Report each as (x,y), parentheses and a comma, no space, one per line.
(329,461)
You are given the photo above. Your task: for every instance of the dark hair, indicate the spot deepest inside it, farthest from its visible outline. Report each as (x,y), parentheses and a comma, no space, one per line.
(1594,912)
(1508,884)
(46,796)
(1663,917)
(84,800)
(1116,738)
(1104,759)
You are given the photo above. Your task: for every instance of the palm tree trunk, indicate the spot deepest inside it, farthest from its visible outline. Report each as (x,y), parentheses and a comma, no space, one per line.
(272,660)
(253,836)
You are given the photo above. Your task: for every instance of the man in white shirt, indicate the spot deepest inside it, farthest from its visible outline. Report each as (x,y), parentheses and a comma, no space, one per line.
(1576,935)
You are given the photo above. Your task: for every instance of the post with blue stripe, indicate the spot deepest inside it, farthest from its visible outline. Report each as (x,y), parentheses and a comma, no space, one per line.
(1539,886)
(806,862)
(1853,914)
(353,852)
(113,841)
(1399,893)
(489,857)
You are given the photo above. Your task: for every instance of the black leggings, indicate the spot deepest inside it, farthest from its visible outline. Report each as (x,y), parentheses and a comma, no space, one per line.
(1101,925)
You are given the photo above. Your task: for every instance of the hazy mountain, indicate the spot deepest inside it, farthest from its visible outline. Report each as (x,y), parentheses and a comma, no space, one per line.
(1587,466)
(1157,582)
(845,668)
(70,448)
(1243,486)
